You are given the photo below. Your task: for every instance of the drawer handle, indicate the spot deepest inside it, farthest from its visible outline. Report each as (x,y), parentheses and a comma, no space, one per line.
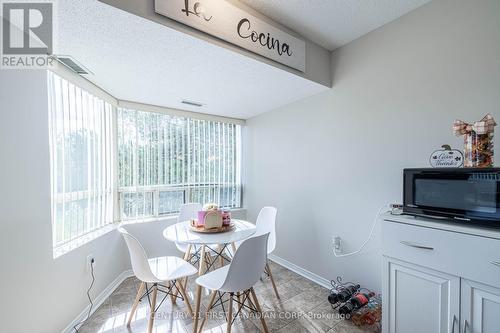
(418,246)
(496,263)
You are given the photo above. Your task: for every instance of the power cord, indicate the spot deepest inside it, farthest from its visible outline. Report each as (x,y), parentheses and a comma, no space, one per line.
(340,255)
(80,324)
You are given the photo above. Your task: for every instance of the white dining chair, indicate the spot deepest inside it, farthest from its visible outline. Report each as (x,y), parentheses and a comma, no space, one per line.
(266,223)
(238,278)
(188,212)
(161,272)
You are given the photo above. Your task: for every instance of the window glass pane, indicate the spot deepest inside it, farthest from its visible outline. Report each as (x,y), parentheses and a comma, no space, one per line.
(137,205)
(170,201)
(81,160)
(163,154)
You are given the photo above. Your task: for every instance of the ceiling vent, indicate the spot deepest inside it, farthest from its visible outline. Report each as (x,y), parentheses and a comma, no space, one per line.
(191,103)
(72,64)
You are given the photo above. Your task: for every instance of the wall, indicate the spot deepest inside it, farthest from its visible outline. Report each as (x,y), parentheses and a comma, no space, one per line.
(40,294)
(330,161)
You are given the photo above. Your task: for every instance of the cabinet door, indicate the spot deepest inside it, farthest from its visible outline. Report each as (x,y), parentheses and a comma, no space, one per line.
(417,299)
(480,308)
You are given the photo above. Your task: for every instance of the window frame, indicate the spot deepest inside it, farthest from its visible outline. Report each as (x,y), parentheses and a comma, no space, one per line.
(186,188)
(91,88)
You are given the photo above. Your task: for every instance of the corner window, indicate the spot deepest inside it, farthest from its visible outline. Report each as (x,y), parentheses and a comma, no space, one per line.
(165,161)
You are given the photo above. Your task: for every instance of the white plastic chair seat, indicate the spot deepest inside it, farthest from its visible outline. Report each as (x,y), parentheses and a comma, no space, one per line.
(214,280)
(170,268)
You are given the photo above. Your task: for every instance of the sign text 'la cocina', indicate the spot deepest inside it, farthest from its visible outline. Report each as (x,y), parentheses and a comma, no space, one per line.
(233,24)
(244,31)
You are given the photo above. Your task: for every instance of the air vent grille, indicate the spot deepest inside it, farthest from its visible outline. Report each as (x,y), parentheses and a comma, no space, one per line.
(73,65)
(192,103)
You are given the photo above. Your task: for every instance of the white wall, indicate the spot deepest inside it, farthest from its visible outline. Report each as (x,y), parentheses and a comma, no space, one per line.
(40,294)
(328,162)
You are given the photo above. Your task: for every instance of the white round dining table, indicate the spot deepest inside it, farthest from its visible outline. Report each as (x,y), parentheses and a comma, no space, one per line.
(182,233)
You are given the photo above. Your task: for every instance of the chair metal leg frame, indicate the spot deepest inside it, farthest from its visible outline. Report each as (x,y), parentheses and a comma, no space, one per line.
(219,254)
(153,290)
(230,318)
(268,272)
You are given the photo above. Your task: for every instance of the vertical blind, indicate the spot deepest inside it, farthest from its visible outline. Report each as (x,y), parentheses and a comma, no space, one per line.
(165,161)
(81,153)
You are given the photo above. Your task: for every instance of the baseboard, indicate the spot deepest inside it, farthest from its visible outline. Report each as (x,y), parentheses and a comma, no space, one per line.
(98,300)
(301,271)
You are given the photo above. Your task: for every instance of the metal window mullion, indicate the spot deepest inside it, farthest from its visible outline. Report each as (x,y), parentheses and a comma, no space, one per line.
(219,164)
(53,154)
(239,154)
(204,161)
(188,151)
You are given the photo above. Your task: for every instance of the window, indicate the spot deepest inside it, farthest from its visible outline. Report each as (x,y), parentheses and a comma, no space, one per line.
(81,155)
(110,164)
(165,161)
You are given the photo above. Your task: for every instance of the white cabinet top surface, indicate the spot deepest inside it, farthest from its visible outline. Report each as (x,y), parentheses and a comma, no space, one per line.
(443,225)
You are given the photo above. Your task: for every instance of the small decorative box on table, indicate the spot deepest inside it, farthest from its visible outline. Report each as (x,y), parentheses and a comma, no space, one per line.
(212,220)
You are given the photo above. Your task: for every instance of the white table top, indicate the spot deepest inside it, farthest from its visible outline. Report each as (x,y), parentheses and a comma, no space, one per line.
(181,233)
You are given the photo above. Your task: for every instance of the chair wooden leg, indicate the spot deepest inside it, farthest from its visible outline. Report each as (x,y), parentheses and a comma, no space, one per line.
(186,257)
(210,303)
(268,268)
(249,299)
(173,293)
(230,314)
(136,302)
(238,295)
(153,309)
(233,246)
(259,310)
(198,290)
(183,292)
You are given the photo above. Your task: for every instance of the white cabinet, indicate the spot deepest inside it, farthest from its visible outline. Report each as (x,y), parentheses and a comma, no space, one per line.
(439,280)
(420,300)
(480,308)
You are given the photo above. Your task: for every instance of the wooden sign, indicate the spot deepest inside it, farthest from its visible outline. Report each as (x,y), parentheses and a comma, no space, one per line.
(224,20)
(446,158)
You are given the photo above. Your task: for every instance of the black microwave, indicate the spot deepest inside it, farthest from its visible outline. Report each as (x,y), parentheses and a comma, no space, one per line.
(466,195)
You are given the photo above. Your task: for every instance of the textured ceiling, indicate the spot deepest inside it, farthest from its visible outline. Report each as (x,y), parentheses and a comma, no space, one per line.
(138,60)
(135,59)
(333,23)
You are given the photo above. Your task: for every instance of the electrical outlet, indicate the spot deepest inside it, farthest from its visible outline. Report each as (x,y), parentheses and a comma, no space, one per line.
(90,261)
(337,244)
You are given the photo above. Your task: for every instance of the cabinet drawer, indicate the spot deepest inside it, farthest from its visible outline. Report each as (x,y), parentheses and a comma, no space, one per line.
(473,257)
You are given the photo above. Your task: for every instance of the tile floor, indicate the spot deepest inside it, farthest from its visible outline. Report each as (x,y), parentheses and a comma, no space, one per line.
(303,308)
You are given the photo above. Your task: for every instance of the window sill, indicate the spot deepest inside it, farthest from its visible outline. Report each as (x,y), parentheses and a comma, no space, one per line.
(70,246)
(76,243)
(172,218)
